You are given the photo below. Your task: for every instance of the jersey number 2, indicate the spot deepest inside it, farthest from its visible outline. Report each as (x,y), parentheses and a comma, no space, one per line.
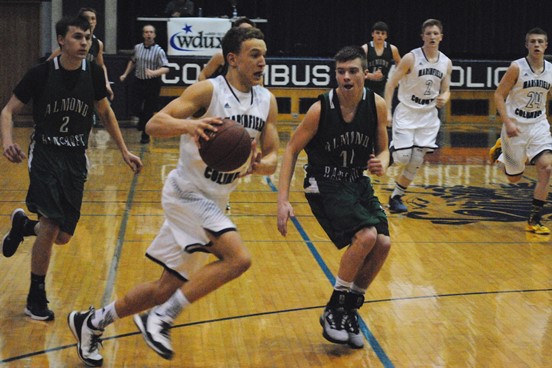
(64,128)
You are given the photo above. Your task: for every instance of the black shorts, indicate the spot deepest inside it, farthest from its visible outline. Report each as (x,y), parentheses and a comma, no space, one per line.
(57,176)
(344,208)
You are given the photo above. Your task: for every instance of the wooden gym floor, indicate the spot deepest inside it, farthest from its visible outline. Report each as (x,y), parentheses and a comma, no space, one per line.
(464,285)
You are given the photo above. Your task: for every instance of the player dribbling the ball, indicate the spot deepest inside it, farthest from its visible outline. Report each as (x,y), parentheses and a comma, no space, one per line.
(194,202)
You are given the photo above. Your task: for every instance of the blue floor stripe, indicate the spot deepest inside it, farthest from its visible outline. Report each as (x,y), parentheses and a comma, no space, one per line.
(114,267)
(363,327)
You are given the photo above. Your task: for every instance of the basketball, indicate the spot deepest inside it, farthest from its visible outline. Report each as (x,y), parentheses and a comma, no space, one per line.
(227,149)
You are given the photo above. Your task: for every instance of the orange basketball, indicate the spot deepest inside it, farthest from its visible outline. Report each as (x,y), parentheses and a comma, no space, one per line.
(228,148)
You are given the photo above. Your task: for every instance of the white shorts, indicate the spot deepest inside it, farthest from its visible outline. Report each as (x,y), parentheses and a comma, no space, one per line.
(182,245)
(415,128)
(534,139)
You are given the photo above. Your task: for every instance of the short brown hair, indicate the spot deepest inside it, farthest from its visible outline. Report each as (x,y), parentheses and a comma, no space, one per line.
(233,39)
(432,22)
(349,53)
(536,30)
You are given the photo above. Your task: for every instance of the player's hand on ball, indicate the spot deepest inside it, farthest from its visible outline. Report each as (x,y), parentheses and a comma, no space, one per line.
(202,128)
(255,159)
(228,149)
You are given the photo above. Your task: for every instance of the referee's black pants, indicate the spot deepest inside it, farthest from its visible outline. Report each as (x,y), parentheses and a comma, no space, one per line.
(145,99)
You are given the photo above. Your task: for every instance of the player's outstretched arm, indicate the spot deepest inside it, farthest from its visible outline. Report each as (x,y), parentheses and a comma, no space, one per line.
(402,69)
(504,87)
(379,161)
(12,151)
(302,136)
(100,62)
(111,124)
(444,93)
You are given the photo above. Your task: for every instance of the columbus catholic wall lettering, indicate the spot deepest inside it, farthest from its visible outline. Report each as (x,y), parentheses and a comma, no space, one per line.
(319,73)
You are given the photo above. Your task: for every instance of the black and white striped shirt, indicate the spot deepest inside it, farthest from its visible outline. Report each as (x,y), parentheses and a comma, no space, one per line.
(148,57)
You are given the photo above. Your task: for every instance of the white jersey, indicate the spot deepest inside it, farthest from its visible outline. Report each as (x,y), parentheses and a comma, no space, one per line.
(420,88)
(249,109)
(526,101)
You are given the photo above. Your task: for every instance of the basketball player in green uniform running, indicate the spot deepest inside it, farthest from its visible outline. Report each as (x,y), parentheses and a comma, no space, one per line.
(380,55)
(95,53)
(65,91)
(343,133)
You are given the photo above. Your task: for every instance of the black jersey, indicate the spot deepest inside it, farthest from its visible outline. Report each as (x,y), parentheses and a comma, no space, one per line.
(63,101)
(340,151)
(94,49)
(382,62)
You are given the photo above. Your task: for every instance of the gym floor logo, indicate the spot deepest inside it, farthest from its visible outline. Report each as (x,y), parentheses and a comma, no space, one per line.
(460,205)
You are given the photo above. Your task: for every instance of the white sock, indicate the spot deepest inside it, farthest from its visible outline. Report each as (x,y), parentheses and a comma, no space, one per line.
(104,317)
(169,310)
(398,191)
(341,285)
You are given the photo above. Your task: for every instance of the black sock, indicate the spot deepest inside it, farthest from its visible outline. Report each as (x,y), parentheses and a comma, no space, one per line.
(38,285)
(536,211)
(29,227)
(354,301)
(337,300)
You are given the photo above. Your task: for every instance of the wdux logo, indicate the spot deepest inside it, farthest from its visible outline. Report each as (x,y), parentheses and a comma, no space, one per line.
(187,41)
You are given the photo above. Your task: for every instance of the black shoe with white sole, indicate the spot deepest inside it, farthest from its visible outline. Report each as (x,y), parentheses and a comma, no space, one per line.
(156,333)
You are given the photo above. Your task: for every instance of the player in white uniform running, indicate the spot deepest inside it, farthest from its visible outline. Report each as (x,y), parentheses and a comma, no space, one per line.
(521,102)
(194,199)
(423,77)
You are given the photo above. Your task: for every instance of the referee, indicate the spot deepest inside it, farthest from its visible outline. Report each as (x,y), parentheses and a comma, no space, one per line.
(151,63)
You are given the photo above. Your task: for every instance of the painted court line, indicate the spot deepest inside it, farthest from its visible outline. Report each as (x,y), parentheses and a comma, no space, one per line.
(364,328)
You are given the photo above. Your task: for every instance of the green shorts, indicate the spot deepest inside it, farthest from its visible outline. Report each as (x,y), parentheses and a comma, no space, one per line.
(57,176)
(344,208)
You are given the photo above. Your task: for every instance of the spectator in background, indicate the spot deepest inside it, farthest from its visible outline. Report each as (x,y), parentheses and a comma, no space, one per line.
(151,63)
(180,8)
